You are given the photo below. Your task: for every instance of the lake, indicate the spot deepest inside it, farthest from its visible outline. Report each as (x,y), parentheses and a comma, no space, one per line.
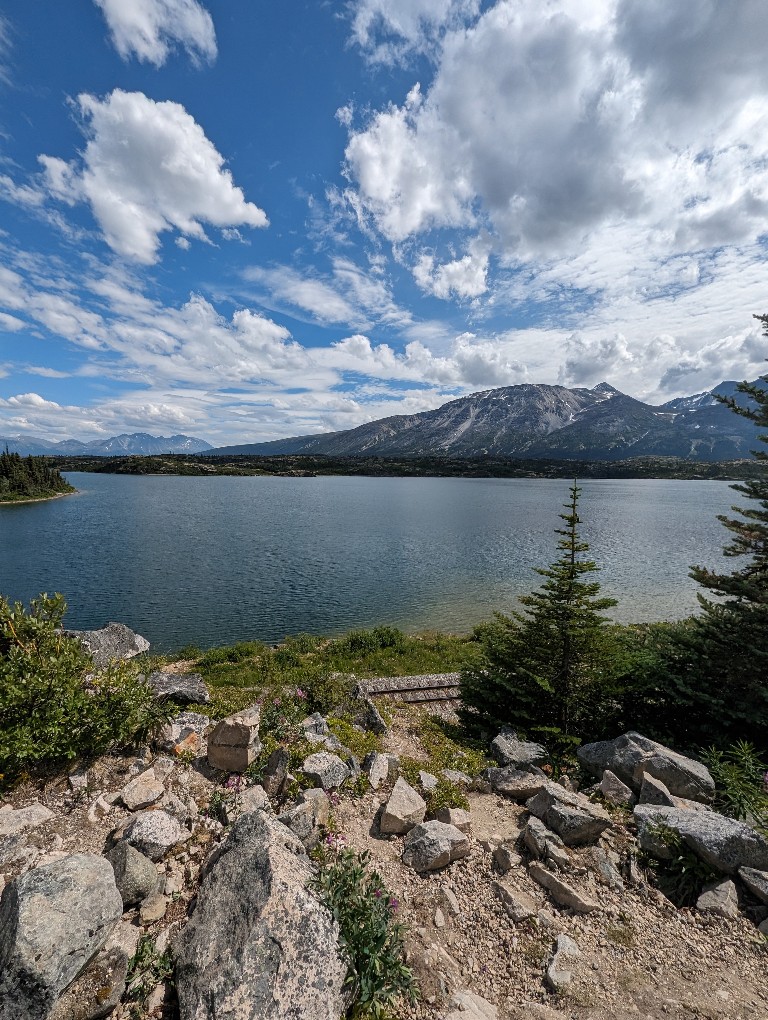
(211,561)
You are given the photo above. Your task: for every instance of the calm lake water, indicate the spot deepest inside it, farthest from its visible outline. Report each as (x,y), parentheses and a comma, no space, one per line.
(211,561)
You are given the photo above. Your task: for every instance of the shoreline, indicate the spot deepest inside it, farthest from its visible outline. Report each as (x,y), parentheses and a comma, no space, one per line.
(36,499)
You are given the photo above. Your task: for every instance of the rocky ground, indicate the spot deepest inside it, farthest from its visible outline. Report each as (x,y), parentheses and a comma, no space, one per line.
(493,922)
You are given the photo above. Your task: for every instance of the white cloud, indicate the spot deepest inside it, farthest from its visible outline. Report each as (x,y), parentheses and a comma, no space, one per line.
(465,277)
(150,29)
(549,122)
(10,323)
(389,30)
(148,167)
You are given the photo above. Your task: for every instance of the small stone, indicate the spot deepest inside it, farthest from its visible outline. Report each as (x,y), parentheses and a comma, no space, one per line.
(428,781)
(505,858)
(98,809)
(720,898)
(135,875)
(154,833)
(376,767)
(315,724)
(558,856)
(450,899)
(142,791)
(560,891)
(456,777)
(455,816)
(616,792)
(517,904)
(763,927)
(153,908)
(275,773)
(321,806)
(325,770)
(404,809)
(439,918)
(558,978)
(756,881)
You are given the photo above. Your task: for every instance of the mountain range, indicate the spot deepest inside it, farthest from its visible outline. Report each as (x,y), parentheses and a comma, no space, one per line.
(117,446)
(542,421)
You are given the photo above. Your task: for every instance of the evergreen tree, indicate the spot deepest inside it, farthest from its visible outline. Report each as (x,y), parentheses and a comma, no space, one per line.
(554,668)
(716,670)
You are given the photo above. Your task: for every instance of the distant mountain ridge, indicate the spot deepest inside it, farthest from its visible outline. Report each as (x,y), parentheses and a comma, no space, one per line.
(541,421)
(138,443)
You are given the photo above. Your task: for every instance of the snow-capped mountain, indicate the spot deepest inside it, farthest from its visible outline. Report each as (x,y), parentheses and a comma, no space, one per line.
(140,443)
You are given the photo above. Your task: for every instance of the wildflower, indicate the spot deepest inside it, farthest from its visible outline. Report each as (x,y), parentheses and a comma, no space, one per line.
(394,903)
(300,693)
(377,894)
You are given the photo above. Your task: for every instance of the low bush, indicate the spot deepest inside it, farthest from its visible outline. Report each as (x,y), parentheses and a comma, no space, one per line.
(683,876)
(445,795)
(371,937)
(741,782)
(53,706)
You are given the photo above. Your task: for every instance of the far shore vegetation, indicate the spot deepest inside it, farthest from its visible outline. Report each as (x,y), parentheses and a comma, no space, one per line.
(25,479)
(309,466)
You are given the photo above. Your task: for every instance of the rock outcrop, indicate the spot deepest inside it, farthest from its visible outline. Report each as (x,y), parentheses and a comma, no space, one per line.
(631,756)
(110,643)
(723,843)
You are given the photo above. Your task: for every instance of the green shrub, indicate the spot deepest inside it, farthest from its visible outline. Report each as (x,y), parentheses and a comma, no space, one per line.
(445,795)
(146,969)
(359,742)
(367,641)
(684,875)
(49,713)
(741,781)
(372,939)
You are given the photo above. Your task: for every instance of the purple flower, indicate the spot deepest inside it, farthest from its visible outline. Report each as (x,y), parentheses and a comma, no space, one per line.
(377,894)
(394,904)
(300,693)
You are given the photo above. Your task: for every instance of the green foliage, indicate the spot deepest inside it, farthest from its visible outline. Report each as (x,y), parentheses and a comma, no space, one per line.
(359,742)
(682,877)
(28,478)
(146,969)
(367,641)
(49,714)
(713,679)
(741,780)
(560,665)
(373,940)
(445,795)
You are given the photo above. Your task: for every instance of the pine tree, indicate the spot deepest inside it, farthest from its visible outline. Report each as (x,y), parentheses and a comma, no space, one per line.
(717,668)
(554,668)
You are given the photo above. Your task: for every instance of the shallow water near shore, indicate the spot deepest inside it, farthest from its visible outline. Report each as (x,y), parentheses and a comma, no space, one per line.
(211,561)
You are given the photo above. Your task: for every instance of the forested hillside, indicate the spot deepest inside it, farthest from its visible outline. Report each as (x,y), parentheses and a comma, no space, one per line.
(29,478)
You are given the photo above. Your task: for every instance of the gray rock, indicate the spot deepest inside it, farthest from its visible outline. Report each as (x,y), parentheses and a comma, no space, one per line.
(259,944)
(253,798)
(763,927)
(505,858)
(367,716)
(13,822)
(376,767)
(508,750)
(724,843)
(53,921)
(115,641)
(616,792)
(404,809)
(142,791)
(300,819)
(433,845)
(756,881)
(135,874)
(234,742)
(456,777)
(316,724)
(538,838)
(631,756)
(720,898)
(180,687)
(455,816)
(561,892)
(321,806)
(100,987)
(276,773)
(517,904)
(185,733)
(604,868)
(470,1006)
(653,791)
(155,833)
(557,976)
(571,815)
(153,908)
(428,781)
(326,770)
(514,783)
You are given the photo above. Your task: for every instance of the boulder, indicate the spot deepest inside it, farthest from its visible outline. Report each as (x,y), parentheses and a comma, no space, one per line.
(631,756)
(458,817)
(326,770)
(508,750)
(653,791)
(376,767)
(234,742)
(115,641)
(142,791)
(756,881)
(321,806)
(14,822)
(571,815)
(53,921)
(562,893)
(720,898)
(616,792)
(505,858)
(99,988)
(404,809)
(135,874)
(558,976)
(538,838)
(276,773)
(300,819)
(258,943)
(723,843)
(514,783)
(433,845)
(184,688)
(155,833)
(185,734)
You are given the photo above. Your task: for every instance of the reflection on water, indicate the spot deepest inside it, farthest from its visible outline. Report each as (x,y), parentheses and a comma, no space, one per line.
(215,560)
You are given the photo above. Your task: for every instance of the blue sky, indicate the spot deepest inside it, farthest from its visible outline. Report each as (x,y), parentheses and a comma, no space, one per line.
(244,220)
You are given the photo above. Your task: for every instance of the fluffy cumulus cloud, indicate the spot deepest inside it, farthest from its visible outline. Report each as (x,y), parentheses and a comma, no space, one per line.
(548,122)
(151,29)
(148,167)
